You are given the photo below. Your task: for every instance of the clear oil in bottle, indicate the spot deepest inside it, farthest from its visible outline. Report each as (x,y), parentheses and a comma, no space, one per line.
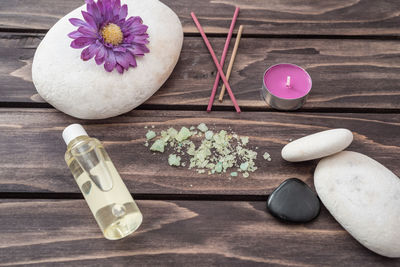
(106,194)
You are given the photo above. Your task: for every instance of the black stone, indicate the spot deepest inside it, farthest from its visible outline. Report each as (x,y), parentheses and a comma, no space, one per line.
(294,201)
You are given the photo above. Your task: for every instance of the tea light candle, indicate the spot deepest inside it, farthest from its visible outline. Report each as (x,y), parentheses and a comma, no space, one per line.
(286,86)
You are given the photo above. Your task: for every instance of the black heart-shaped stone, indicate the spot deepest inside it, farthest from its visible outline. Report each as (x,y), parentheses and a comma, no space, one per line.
(294,201)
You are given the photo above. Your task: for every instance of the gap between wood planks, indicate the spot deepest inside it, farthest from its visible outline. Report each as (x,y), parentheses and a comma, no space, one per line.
(189,197)
(381,37)
(219,108)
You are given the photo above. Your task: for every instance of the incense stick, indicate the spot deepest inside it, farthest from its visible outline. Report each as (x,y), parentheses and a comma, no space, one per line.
(232,60)
(223,56)
(214,57)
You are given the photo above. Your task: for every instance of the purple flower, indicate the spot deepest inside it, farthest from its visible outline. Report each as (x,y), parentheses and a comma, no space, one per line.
(108,36)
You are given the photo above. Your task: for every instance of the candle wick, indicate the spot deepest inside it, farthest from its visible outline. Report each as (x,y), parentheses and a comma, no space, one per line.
(288,81)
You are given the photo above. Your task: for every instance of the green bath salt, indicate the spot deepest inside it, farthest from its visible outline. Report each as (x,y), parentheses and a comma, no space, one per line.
(206,151)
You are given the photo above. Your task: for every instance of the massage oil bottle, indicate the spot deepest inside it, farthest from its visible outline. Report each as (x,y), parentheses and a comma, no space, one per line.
(106,194)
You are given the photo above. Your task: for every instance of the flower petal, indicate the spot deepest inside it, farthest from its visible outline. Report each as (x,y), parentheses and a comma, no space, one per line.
(123,12)
(115,19)
(133,62)
(75,34)
(89,19)
(140,39)
(94,10)
(89,52)
(123,59)
(139,29)
(116,5)
(138,50)
(88,32)
(77,22)
(101,55)
(82,42)
(131,21)
(119,49)
(108,12)
(100,6)
(119,68)
(109,65)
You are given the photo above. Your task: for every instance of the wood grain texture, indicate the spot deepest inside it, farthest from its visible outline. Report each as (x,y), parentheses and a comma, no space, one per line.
(33,150)
(337,17)
(346,73)
(175,233)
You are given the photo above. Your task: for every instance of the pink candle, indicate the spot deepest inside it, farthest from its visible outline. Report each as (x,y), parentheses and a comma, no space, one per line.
(286,86)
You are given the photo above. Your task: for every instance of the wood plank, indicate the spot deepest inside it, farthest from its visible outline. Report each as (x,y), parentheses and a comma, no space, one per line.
(33,150)
(339,17)
(175,233)
(346,73)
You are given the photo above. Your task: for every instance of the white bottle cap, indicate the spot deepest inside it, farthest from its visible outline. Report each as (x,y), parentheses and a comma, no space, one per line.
(73,131)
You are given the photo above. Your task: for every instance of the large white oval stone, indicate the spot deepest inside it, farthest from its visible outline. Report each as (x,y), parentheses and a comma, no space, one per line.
(317,145)
(364,197)
(85,90)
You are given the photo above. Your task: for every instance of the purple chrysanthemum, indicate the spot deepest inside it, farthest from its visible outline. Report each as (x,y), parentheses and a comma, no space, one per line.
(108,36)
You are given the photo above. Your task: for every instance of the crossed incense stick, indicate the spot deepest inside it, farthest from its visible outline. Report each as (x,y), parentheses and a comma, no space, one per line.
(230,66)
(219,65)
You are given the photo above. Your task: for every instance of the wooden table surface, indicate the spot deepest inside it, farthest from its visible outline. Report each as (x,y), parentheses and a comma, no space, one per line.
(351,48)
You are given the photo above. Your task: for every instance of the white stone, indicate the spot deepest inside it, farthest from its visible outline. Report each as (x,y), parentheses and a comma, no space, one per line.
(317,145)
(364,197)
(85,90)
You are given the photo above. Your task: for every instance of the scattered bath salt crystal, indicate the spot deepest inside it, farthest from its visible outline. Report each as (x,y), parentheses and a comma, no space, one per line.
(267,156)
(209,135)
(174,160)
(244,166)
(172,132)
(234,174)
(150,135)
(218,167)
(290,140)
(183,164)
(145,127)
(191,185)
(202,127)
(201,171)
(152,126)
(146,144)
(158,145)
(246,174)
(191,148)
(165,136)
(183,134)
(192,128)
(244,139)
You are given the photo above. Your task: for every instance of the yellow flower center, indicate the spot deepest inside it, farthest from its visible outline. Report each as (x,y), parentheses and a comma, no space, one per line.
(112,34)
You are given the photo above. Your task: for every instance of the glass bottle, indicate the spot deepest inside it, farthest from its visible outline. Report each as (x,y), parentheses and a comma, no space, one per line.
(106,194)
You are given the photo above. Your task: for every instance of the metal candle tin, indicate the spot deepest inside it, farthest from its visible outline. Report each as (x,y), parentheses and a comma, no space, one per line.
(283,103)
